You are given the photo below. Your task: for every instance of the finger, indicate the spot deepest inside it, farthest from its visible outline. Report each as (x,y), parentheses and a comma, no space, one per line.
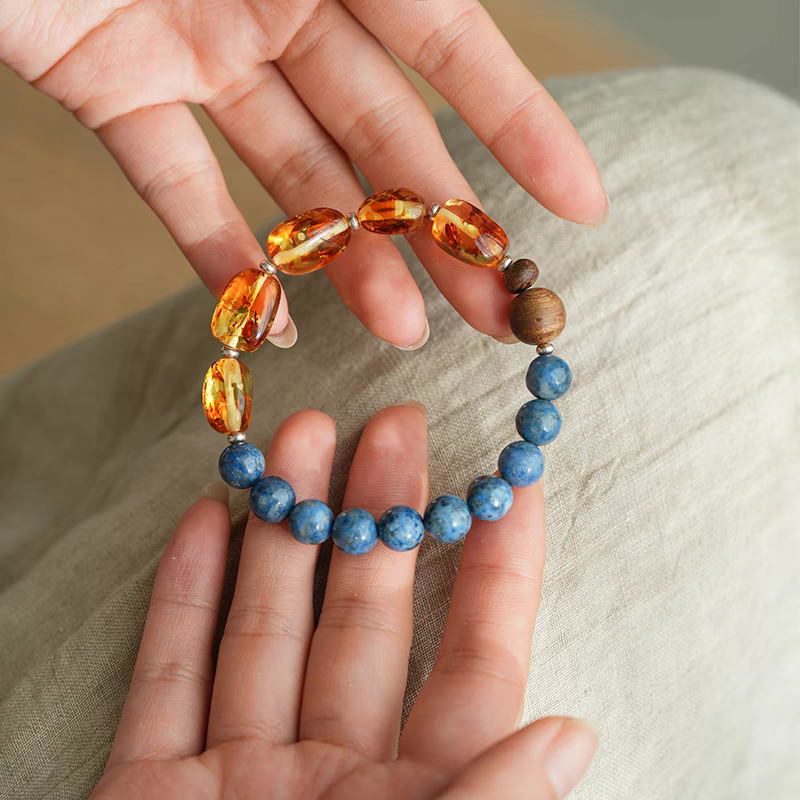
(263,652)
(302,168)
(457,48)
(167,707)
(359,655)
(474,695)
(391,136)
(543,761)
(166,157)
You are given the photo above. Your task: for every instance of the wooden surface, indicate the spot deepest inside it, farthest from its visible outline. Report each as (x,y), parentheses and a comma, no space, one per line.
(537,316)
(521,275)
(80,249)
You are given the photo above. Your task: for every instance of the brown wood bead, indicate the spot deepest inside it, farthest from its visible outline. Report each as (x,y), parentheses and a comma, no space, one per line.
(537,316)
(521,275)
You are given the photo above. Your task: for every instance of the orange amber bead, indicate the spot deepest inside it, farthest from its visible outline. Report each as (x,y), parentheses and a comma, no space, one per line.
(393,211)
(228,395)
(465,232)
(308,241)
(245,312)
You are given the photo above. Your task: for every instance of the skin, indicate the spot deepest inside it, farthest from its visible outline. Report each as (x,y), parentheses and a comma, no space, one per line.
(304,89)
(291,711)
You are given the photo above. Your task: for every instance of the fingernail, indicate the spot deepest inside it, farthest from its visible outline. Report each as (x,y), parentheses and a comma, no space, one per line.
(217,490)
(419,406)
(568,756)
(420,342)
(287,337)
(602,219)
(510,339)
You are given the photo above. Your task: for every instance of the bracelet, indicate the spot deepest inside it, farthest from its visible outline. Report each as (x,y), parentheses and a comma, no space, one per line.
(246,311)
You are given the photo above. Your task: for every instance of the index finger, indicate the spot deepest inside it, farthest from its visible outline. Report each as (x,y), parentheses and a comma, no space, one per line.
(474,695)
(167,706)
(165,155)
(458,49)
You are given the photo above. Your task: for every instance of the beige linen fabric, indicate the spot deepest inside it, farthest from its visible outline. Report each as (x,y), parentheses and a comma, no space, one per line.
(672,587)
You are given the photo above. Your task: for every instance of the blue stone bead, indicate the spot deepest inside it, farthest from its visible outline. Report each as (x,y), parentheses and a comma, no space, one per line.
(310,522)
(241,465)
(538,421)
(447,518)
(489,497)
(549,377)
(271,499)
(355,531)
(401,528)
(521,463)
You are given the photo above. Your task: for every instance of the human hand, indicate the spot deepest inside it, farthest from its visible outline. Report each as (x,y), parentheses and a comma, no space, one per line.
(302,88)
(291,712)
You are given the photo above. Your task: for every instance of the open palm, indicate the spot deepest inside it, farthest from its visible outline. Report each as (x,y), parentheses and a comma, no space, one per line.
(290,711)
(304,89)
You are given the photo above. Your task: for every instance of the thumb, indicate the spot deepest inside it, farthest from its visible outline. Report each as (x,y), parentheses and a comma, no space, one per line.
(543,761)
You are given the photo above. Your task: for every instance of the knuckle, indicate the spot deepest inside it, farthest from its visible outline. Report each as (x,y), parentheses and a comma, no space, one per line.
(177,175)
(483,659)
(172,672)
(444,44)
(219,243)
(303,164)
(364,612)
(517,118)
(258,620)
(486,573)
(376,130)
(334,730)
(178,603)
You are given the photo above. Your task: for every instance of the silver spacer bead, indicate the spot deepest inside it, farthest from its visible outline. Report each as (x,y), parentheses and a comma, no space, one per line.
(354,223)
(434,210)
(231,352)
(268,266)
(505,264)
(544,349)
(235,438)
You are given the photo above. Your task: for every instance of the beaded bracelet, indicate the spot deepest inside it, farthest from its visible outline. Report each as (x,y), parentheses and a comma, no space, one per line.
(246,311)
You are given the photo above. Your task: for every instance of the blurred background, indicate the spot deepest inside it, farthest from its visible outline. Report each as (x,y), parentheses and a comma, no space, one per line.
(80,250)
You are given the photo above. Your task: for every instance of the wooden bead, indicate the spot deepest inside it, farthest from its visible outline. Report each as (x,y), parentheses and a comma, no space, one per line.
(521,275)
(537,316)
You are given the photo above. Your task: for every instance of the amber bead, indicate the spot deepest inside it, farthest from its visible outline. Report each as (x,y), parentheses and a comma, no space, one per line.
(521,275)
(537,316)
(465,232)
(245,312)
(393,211)
(228,395)
(308,241)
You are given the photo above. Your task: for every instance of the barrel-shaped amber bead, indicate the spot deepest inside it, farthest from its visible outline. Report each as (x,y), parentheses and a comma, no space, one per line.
(393,211)
(245,312)
(308,241)
(466,233)
(228,395)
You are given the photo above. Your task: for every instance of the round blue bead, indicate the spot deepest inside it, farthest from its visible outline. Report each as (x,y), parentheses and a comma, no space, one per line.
(548,377)
(355,532)
(521,463)
(271,499)
(310,522)
(401,528)
(538,421)
(447,518)
(241,465)
(489,497)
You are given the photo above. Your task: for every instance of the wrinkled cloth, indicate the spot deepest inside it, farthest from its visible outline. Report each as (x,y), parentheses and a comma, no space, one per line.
(671,599)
